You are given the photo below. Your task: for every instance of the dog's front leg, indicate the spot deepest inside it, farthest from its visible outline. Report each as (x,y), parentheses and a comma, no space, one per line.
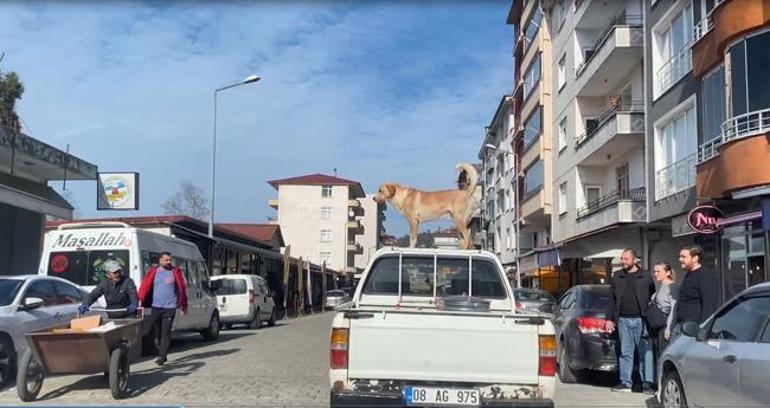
(413,225)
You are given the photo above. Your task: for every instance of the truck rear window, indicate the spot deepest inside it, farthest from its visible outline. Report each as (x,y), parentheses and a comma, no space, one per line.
(449,276)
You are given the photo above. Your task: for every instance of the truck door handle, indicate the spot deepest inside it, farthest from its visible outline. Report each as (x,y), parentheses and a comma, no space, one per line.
(730,359)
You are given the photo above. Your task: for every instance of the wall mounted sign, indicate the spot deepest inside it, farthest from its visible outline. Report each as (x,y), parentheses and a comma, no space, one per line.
(705,219)
(117,191)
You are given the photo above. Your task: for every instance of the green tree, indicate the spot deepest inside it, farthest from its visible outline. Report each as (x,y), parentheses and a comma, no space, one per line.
(11,90)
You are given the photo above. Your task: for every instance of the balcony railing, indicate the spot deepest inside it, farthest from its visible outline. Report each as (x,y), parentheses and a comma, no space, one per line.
(619,21)
(674,69)
(677,177)
(706,24)
(738,127)
(637,195)
(597,124)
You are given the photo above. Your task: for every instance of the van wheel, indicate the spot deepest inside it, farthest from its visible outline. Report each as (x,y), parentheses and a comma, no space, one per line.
(256,322)
(271,322)
(212,332)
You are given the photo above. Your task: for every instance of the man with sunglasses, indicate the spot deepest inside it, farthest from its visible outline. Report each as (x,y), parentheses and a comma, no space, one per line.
(119,292)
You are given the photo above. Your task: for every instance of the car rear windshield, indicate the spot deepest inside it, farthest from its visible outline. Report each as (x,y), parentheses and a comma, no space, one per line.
(533,296)
(85,268)
(421,274)
(8,290)
(596,299)
(229,286)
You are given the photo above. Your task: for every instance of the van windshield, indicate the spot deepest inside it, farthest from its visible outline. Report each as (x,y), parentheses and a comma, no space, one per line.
(84,268)
(231,287)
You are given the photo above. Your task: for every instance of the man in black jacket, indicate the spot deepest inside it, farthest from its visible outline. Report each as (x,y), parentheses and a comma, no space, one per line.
(631,289)
(119,292)
(699,291)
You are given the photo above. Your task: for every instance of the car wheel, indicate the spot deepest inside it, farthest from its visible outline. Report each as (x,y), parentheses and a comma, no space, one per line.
(7,361)
(672,391)
(212,332)
(256,322)
(566,374)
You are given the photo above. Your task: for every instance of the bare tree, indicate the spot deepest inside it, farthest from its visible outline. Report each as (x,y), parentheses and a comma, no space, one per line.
(190,200)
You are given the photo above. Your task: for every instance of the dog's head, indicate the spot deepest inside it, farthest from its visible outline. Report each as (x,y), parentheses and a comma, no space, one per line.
(386,192)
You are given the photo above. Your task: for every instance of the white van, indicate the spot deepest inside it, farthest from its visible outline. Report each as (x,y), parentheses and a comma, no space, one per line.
(244,299)
(76,252)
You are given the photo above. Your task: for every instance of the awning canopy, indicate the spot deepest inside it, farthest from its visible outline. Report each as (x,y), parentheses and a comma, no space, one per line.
(31,196)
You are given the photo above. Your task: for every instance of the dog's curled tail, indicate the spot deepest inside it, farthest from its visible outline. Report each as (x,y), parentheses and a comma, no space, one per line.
(471,177)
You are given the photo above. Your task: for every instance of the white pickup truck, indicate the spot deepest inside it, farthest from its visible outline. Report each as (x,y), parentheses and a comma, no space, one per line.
(430,327)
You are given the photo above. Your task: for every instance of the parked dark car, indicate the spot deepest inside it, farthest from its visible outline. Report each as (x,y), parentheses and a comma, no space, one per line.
(534,300)
(582,341)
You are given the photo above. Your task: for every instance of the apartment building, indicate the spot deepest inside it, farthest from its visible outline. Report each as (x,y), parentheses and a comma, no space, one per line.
(372,216)
(323,218)
(598,130)
(531,142)
(499,181)
(730,61)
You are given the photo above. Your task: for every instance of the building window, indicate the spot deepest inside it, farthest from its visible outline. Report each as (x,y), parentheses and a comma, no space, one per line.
(563,134)
(325,257)
(672,57)
(561,73)
(533,25)
(500,202)
(532,76)
(326,213)
(326,191)
(508,238)
(623,179)
(593,194)
(533,127)
(749,64)
(533,178)
(326,235)
(563,198)
(713,104)
(508,200)
(676,141)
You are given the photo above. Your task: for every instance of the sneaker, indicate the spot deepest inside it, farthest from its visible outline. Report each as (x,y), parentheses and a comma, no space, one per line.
(160,361)
(621,388)
(648,389)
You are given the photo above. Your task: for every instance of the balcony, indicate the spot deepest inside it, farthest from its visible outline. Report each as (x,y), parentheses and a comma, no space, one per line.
(611,58)
(737,159)
(673,70)
(675,178)
(354,224)
(355,247)
(352,203)
(273,203)
(616,131)
(616,207)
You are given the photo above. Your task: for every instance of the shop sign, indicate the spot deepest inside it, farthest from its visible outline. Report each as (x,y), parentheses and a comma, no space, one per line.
(118,191)
(705,219)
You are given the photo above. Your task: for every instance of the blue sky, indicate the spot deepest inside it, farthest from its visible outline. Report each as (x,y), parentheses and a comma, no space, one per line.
(382,91)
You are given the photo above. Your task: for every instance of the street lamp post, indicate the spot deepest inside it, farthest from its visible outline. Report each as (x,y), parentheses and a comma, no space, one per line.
(249,79)
(515,200)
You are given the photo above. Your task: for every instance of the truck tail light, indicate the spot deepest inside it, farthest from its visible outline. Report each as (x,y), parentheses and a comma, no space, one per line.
(547,356)
(519,306)
(588,324)
(338,358)
(252,296)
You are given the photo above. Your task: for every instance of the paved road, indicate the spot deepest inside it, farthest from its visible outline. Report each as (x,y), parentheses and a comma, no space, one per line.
(280,366)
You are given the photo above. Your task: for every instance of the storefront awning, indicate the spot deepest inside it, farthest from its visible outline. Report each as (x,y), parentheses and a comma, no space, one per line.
(31,196)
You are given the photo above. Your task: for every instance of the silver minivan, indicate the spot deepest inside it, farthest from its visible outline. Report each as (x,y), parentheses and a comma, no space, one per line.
(725,360)
(244,299)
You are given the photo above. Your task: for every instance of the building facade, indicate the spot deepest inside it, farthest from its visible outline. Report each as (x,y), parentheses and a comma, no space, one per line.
(26,167)
(531,141)
(730,60)
(372,221)
(598,131)
(498,180)
(321,219)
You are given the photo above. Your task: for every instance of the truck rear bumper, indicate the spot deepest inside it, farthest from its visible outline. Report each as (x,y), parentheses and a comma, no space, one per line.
(381,399)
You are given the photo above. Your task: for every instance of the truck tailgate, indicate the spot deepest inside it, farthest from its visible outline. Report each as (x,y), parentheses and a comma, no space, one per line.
(443,346)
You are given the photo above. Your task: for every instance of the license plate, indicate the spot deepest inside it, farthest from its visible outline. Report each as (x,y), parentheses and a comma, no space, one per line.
(436,396)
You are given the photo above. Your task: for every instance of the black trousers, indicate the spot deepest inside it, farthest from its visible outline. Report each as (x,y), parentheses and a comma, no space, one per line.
(162,319)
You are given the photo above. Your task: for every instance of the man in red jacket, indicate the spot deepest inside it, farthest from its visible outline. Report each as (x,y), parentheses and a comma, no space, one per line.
(163,289)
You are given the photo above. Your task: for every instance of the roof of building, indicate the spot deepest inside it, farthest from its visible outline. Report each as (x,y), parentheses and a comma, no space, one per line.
(260,232)
(317,179)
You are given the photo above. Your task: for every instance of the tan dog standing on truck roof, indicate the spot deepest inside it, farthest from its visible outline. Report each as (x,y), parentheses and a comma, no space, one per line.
(418,206)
